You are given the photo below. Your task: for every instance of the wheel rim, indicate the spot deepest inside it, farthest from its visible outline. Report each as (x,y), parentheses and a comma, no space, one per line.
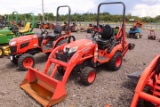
(91,77)
(28,62)
(0,52)
(118,61)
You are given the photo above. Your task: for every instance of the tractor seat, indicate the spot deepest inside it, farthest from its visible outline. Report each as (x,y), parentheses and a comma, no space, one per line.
(58,29)
(52,36)
(26,28)
(106,34)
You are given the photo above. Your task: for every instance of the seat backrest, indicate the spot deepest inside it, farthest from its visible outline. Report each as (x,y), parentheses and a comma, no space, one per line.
(58,29)
(27,26)
(107,32)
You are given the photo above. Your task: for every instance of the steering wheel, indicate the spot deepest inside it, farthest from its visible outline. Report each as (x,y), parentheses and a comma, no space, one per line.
(71,37)
(44,31)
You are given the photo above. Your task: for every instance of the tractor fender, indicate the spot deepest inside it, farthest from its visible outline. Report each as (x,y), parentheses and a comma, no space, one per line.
(114,50)
(59,39)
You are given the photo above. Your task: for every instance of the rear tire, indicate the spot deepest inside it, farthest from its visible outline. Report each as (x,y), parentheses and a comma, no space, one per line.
(1,52)
(87,75)
(48,54)
(115,63)
(25,61)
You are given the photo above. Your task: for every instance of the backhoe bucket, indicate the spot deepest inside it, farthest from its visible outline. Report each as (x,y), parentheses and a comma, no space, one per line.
(43,88)
(135,76)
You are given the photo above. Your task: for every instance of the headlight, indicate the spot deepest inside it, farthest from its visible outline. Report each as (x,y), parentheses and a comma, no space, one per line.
(74,49)
(12,43)
(70,50)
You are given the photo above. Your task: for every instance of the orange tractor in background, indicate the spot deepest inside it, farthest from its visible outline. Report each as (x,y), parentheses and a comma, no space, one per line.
(23,48)
(46,25)
(80,56)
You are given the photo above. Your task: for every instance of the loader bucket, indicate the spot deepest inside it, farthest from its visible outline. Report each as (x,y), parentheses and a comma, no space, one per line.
(135,76)
(44,89)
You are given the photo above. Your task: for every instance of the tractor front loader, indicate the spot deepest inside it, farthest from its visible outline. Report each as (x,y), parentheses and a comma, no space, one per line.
(80,56)
(147,92)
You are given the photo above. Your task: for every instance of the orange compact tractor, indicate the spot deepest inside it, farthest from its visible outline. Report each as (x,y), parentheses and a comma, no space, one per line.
(80,56)
(46,25)
(23,48)
(152,35)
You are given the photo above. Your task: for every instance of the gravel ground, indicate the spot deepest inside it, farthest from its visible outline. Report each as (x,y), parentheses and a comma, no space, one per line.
(109,87)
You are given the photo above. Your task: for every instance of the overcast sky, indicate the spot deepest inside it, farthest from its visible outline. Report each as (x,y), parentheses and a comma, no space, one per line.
(135,7)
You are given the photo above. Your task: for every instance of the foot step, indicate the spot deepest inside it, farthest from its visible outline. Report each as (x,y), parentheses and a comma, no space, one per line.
(102,58)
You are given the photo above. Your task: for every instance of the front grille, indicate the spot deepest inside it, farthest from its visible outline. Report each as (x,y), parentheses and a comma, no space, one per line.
(24,45)
(13,49)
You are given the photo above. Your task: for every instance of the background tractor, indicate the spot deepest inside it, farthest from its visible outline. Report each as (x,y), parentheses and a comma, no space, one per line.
(4,21)
(29,26)
(23,48)
(7,33)
(135,31)
(80,56)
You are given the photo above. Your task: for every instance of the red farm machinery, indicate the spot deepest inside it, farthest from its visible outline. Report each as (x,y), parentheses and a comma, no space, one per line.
(23,48)
(80,56)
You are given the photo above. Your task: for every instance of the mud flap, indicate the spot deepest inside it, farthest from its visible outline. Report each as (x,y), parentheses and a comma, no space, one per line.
(135,76)
(44,89)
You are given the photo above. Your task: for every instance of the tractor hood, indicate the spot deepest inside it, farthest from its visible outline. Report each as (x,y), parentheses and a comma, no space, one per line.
(22,39)
(5,31)
(78,45)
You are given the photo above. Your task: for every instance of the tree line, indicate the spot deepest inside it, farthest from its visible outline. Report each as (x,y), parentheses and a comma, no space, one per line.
(85,17)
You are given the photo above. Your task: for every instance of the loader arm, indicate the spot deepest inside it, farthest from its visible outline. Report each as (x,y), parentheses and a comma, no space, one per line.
(77,58)
(144,81)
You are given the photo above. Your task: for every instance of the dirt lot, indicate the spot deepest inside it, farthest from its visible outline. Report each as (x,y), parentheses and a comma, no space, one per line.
(109,87)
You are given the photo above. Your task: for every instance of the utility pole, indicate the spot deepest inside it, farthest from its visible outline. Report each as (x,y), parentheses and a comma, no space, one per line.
(42,10)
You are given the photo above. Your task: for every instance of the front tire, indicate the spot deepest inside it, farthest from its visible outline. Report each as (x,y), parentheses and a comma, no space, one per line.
(115,63)
(14,61)
(137,35)
(26,60)
(1,52)
(61,71)
(88,75)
